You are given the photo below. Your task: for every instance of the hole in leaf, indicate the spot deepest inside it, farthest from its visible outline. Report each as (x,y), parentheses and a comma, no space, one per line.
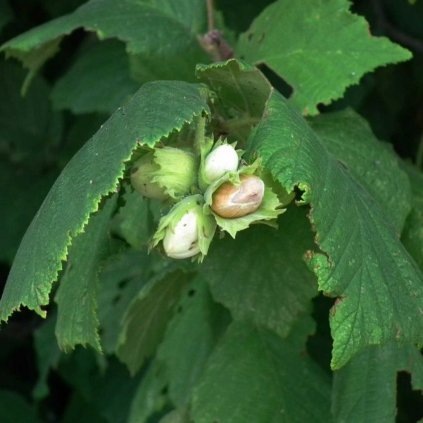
(191,292)
(409,402)
(123,283)
(261,37)
(277,81)
(319,345)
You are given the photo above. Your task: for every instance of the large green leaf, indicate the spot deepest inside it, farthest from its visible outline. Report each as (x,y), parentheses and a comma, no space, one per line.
(189,339)
(157,28)
(379,287)
(241,92)
(365,389)
(261,276)
(318,47)
(76,297)
(349,139)
(255,376)
(98,81)
(412,236)
(155,111)
(147,316)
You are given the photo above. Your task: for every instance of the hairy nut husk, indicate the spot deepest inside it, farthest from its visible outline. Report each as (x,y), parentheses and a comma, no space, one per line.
(186,231)
(237,200)
(165,173)
(142,174)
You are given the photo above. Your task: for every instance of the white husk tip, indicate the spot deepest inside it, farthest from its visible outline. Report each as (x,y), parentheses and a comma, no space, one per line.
(221,160)
(181,240)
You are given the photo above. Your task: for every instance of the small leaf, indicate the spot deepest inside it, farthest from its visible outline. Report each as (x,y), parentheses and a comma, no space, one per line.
(155,111)
(147,317)
(365,389)
(255,376)
(48,355)
(379,286)
(132,222)
(76,297)
(261,276)
(241,91)
(297,42)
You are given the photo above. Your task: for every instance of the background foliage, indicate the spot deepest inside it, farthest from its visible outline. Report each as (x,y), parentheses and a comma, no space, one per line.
(224,341)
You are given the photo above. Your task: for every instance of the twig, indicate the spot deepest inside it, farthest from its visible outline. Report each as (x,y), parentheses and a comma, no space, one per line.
(210,15)
(213,41)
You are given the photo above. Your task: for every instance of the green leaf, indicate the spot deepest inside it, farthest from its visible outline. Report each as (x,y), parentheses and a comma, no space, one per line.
(17,211)
(154,112)
(296,40)
(189,339)
(176,416)
(121,278)
(98,81)
(412,236)
(150,396)
(107,388)
(380,288)
(350,140)
(241,91)
(132,222)
(255,376)
(48,355)
(28,127)
(14,409)
(76,297)
(365,389)
(261,276)
(80,410)
(142,25)
(6,14)
(146,318)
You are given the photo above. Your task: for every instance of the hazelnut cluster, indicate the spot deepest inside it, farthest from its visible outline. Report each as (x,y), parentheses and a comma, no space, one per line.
(209,187)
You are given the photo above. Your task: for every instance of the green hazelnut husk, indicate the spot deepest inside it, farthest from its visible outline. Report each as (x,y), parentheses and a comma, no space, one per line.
(165,173)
